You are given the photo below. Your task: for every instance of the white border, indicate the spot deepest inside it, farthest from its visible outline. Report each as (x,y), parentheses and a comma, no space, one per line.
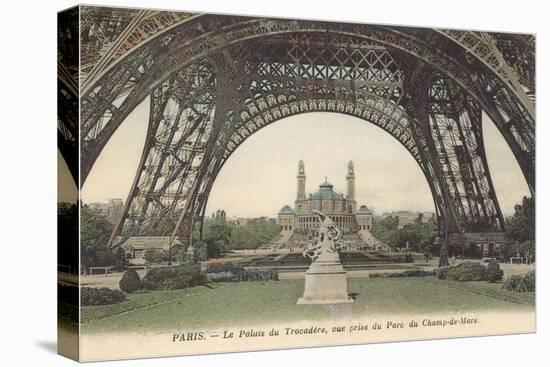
(28,180)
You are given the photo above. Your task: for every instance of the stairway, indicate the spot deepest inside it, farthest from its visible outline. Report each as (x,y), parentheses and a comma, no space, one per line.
(373,242)
(283,239)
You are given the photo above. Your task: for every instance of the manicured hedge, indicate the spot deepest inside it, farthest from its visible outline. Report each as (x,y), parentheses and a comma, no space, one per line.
(465,272)
(236,273)
(100,296)
(403,274)
(176,277)
(224,268)
(520,282)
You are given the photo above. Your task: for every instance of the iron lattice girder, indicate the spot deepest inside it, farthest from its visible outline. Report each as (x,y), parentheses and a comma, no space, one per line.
(68,89)
(162,55)
(518,76)
(518,50)
(271,105)
(67,126)
(455,123)
(258,106)
(126,29)
(182,112)
(307,56)
(111,33)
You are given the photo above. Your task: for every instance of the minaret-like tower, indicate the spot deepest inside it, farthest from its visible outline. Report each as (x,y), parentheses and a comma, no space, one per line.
(350,179)
(301,192)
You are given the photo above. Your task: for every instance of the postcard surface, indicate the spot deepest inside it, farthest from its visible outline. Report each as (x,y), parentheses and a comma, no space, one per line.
(231,183)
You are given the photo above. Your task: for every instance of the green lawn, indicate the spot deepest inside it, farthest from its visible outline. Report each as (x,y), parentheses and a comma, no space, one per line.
(258,302)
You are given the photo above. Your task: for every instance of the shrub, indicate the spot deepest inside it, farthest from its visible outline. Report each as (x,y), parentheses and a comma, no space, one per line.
(176,277)
(130,281)
(120,259)
(442,272)
(100,296)
(149,285)
(256,275)
(513,282)
(418,273)
(465,272)
(155,255)
(224,268)
(404,274)
(220,277)
(529,282)
(236,273)
(520,283)
(494,272)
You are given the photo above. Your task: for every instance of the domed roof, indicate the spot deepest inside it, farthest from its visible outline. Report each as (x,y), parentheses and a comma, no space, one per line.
(286,210)
(364,210)
(326,193)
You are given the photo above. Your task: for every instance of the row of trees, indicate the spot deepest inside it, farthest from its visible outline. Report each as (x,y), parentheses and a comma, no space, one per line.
(95,230)
(521,229)
(221,236)
(420,236)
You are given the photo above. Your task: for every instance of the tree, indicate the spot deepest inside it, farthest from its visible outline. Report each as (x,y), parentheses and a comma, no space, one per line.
(95,230)
(416,233)
(218,238)
(181,257)
(155,255)
(130,281)
(385,229)
(521,226)
(443,256)
(256,232)
(214,248)
(526,248)
(120,259)
(494,272)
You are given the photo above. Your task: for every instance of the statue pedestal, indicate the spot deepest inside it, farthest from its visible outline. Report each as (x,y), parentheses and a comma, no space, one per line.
(326,282)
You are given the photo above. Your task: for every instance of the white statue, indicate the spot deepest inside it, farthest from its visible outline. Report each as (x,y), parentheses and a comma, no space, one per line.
(329,234)
(326,278)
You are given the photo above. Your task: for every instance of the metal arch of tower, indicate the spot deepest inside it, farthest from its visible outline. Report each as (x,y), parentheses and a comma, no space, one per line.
(267,94)
(68,90)
(207,34)
(117,32)
(67,123)
(317,76)
(260,89)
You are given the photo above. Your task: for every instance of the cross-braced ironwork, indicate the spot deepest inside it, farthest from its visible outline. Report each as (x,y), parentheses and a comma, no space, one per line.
(215,80)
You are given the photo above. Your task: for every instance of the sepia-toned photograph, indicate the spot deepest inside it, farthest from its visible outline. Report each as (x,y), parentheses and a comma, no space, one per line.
(235,183)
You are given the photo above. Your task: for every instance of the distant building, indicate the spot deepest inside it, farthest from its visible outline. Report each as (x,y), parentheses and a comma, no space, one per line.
(99,208)
(286,218)
(406,217)
(136,246)
(341,209)
(241,222)
(111,210)
(364,218)
(115,209)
